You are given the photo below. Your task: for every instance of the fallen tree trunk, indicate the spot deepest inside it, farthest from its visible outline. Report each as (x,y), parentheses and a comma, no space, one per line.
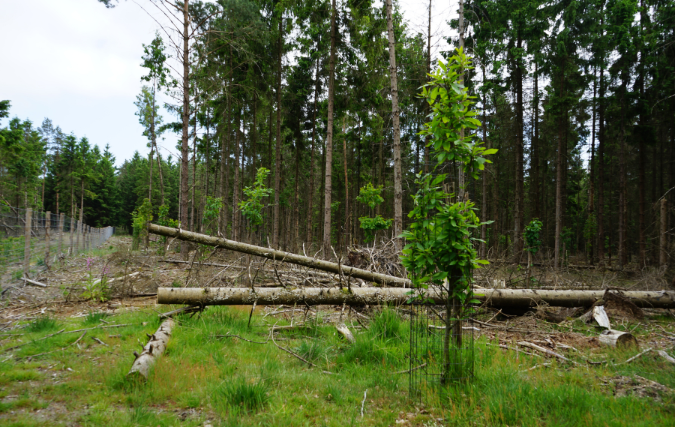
(521,298)
(152,350)
(277,255)
(614,338)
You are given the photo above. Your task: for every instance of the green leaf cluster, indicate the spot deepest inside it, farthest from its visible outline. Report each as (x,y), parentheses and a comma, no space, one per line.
(141,216)
(532,235)
(252,206)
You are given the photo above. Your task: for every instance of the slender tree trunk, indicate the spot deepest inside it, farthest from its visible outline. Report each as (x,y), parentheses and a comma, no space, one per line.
(81,227)
(193,201)
(398,180)
(518,203)
(269,177)
(186,123)
(235,191)
(329,140)
(622,256)
(562,151)
(600,242)
(591,184)
(535,162)
(277,164)
(296,208)
(222,223)
(427,107)
(344,158)
(310,196)
(483,207)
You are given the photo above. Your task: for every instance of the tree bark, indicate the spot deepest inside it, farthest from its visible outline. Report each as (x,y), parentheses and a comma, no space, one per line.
(184,190)
(427,107)
(600,243)
(663,254)
(277,163)
(235,191)
(519,194)
(329,141)
(398,185)
(559,189)
(310,196)
(344,161)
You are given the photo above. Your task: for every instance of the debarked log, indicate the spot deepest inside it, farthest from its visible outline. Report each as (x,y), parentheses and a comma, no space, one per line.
(152,350)
(521,298)
(621,339)
(277,255)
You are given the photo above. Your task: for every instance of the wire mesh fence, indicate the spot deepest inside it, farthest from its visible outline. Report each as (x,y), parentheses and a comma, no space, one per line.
(38,239)
(441,342)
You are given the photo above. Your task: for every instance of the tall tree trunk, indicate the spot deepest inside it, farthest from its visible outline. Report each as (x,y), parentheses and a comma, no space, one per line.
(559,189)
(535,185)
(591,184)
(344,159)
(269,177)
(427,107)
(222,223)
(193,201)
(518,203)
(296,209)
(398,180)
(186,123)
(600,241)
(484,175)
(310,196)
(622,255)
(277,163)
(329,140)
(254,137)
(235,191)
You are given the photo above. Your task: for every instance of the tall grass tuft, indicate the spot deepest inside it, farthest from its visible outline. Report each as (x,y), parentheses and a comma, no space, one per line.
(94,318)
(312,350)
(245,395)
(42,324)
(386,325)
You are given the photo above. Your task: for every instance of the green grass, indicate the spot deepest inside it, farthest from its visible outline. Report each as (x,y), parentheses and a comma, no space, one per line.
(94,318)
(207,375)
(42,324)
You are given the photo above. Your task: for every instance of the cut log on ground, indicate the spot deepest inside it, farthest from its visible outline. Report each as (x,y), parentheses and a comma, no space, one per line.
(277,255)
(619,339)
(151,352)
(523,298)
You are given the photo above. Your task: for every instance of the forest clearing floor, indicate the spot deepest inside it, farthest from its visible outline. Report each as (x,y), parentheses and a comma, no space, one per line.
(63,360)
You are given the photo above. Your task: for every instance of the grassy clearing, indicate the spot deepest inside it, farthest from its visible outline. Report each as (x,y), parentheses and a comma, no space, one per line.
(211,374)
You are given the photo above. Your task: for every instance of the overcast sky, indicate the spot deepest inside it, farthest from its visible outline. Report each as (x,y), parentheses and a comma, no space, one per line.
(78,63)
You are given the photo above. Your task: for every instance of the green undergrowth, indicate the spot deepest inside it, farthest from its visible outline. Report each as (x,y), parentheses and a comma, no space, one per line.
(211,374)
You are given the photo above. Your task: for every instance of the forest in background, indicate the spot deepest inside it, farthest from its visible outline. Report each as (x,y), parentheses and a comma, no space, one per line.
(577,96)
